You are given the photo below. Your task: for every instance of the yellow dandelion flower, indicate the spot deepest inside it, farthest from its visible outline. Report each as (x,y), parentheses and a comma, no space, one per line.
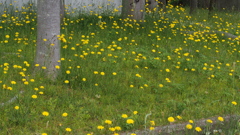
(9,88)
(45,113)
(209,121)
(198,129)
(102,73)
(34,96)
(234,102)
(130,121)
(189,126)
(112,129)
(124,116)
(151,128)
(57,67)
(171,119)
(68,72)
(66,81)
(65,114)
(26,83)
(138,75)
(100,127)
(152,123)
(190,121)
(135,112)
(16,107)
(179,117)
(160,85)
(186,54)
(13,82)
(221,119)
(108,122)
(118,128)
(7,36)
(68,129)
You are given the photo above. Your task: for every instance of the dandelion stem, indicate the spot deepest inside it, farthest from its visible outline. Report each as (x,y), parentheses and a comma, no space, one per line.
(146,120)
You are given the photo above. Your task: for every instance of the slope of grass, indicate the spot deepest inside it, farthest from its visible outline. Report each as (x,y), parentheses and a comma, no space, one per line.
(114,72)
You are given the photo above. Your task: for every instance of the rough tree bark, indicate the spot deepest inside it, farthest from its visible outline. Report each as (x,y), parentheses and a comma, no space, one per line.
(48,30)
(133,9)
(193,6)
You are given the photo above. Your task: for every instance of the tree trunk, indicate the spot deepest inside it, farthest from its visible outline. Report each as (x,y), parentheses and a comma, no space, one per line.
(62,10)
(133,9)
(210,8)
(152,5)
(48,44)
(237,5)
(193,6)
(223,4)
(228,5)
(162,4)
(203,3)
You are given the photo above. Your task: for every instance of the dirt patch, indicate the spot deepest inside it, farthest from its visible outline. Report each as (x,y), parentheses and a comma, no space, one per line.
(180,129)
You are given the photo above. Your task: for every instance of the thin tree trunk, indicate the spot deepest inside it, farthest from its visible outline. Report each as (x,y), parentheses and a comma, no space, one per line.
(133,9)
(218,4)
(126,13)
(152,4)
(62,10)
(236,5)
(162,4)
(193,6)
(210,8)
(48,30)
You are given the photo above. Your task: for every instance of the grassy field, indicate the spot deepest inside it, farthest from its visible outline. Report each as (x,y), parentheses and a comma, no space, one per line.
(119,75)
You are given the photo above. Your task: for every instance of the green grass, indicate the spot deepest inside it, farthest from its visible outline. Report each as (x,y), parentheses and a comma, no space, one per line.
(116,67)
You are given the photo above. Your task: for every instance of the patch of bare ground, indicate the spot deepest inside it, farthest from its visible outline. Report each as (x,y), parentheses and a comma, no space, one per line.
(180,129)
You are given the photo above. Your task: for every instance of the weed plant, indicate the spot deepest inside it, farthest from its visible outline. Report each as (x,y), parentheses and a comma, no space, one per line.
(121,75)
